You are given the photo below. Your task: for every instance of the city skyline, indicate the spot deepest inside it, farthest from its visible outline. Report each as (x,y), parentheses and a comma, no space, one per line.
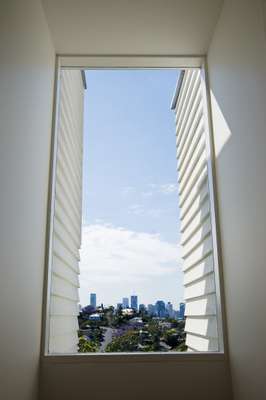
(126,302)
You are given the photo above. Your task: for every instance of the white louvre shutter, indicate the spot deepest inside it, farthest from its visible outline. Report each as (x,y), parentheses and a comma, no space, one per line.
(195,213)
(66,224)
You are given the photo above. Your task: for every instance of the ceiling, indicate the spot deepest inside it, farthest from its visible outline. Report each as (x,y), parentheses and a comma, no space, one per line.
(132,26)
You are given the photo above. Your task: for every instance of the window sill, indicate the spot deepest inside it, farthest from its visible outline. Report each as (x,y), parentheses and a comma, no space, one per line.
(127,358)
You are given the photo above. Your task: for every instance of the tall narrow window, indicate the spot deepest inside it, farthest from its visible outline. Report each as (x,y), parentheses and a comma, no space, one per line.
(132,267)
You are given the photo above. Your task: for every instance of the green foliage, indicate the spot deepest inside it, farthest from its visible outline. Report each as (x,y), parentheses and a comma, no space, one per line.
(173,321)
(86,346)
(96,334)
(171,337)
(151,336)
(125,343)
(181,347)
(155,332)
(181,325)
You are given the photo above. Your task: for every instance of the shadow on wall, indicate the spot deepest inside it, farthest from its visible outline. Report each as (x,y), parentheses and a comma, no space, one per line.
(238,112)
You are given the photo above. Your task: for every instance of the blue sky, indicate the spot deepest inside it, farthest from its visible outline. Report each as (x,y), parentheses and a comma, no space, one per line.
(130,204)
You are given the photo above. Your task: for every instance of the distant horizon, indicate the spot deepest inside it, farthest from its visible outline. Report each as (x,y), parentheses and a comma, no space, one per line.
(130,221)
(98,303)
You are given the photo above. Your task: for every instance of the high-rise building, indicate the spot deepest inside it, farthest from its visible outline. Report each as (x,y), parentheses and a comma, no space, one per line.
(125,302)
(160,308)
(151,309)
(142,308)
(169,309)
(93,300)
(181,314)
(119,306)
(134,302)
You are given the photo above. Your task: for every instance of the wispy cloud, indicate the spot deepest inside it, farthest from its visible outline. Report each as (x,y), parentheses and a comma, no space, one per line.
(148,193)
(165,188)
(128,190)
(139,209)
(151,189)
(136,209)
(168,188)
(116,254)
(155,212)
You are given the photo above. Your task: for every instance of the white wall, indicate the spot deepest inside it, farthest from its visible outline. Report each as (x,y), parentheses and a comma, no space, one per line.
(236,61)
(26,85)
(132,27)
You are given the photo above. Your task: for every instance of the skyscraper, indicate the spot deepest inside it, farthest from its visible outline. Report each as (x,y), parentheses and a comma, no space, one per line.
(134,302)
(93,300)
(181,314)
(160,308)
(142,308)
(170,310)
(125,302)
(151,309)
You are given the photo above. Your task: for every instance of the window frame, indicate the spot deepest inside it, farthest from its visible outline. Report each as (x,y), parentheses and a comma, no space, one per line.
(135,62)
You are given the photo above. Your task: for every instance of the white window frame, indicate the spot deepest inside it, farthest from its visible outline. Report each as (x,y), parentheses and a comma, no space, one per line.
(136,62)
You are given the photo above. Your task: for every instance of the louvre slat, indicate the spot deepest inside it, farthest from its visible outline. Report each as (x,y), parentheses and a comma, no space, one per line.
(204,326)
(70,162)
(200,270)
(72,182)
(64,344)
(183,110)
(194,122)
(197,343)
(196,165)
(65,195)
(193,206)
(66,220)
(195,222)
(65,226)
(62,269)
(197,142)
(206,305)
(62,288)
(198,237)
(195,153)
(61,232)
(194,101)
(72,80)
(70,121)
(182,95)
(60,249)
(197,178)
(61,325)
(67,189)
(74,123)
(201,252)
(65,135)
(205,285)
(63,198)
(61,306)
(77,104)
